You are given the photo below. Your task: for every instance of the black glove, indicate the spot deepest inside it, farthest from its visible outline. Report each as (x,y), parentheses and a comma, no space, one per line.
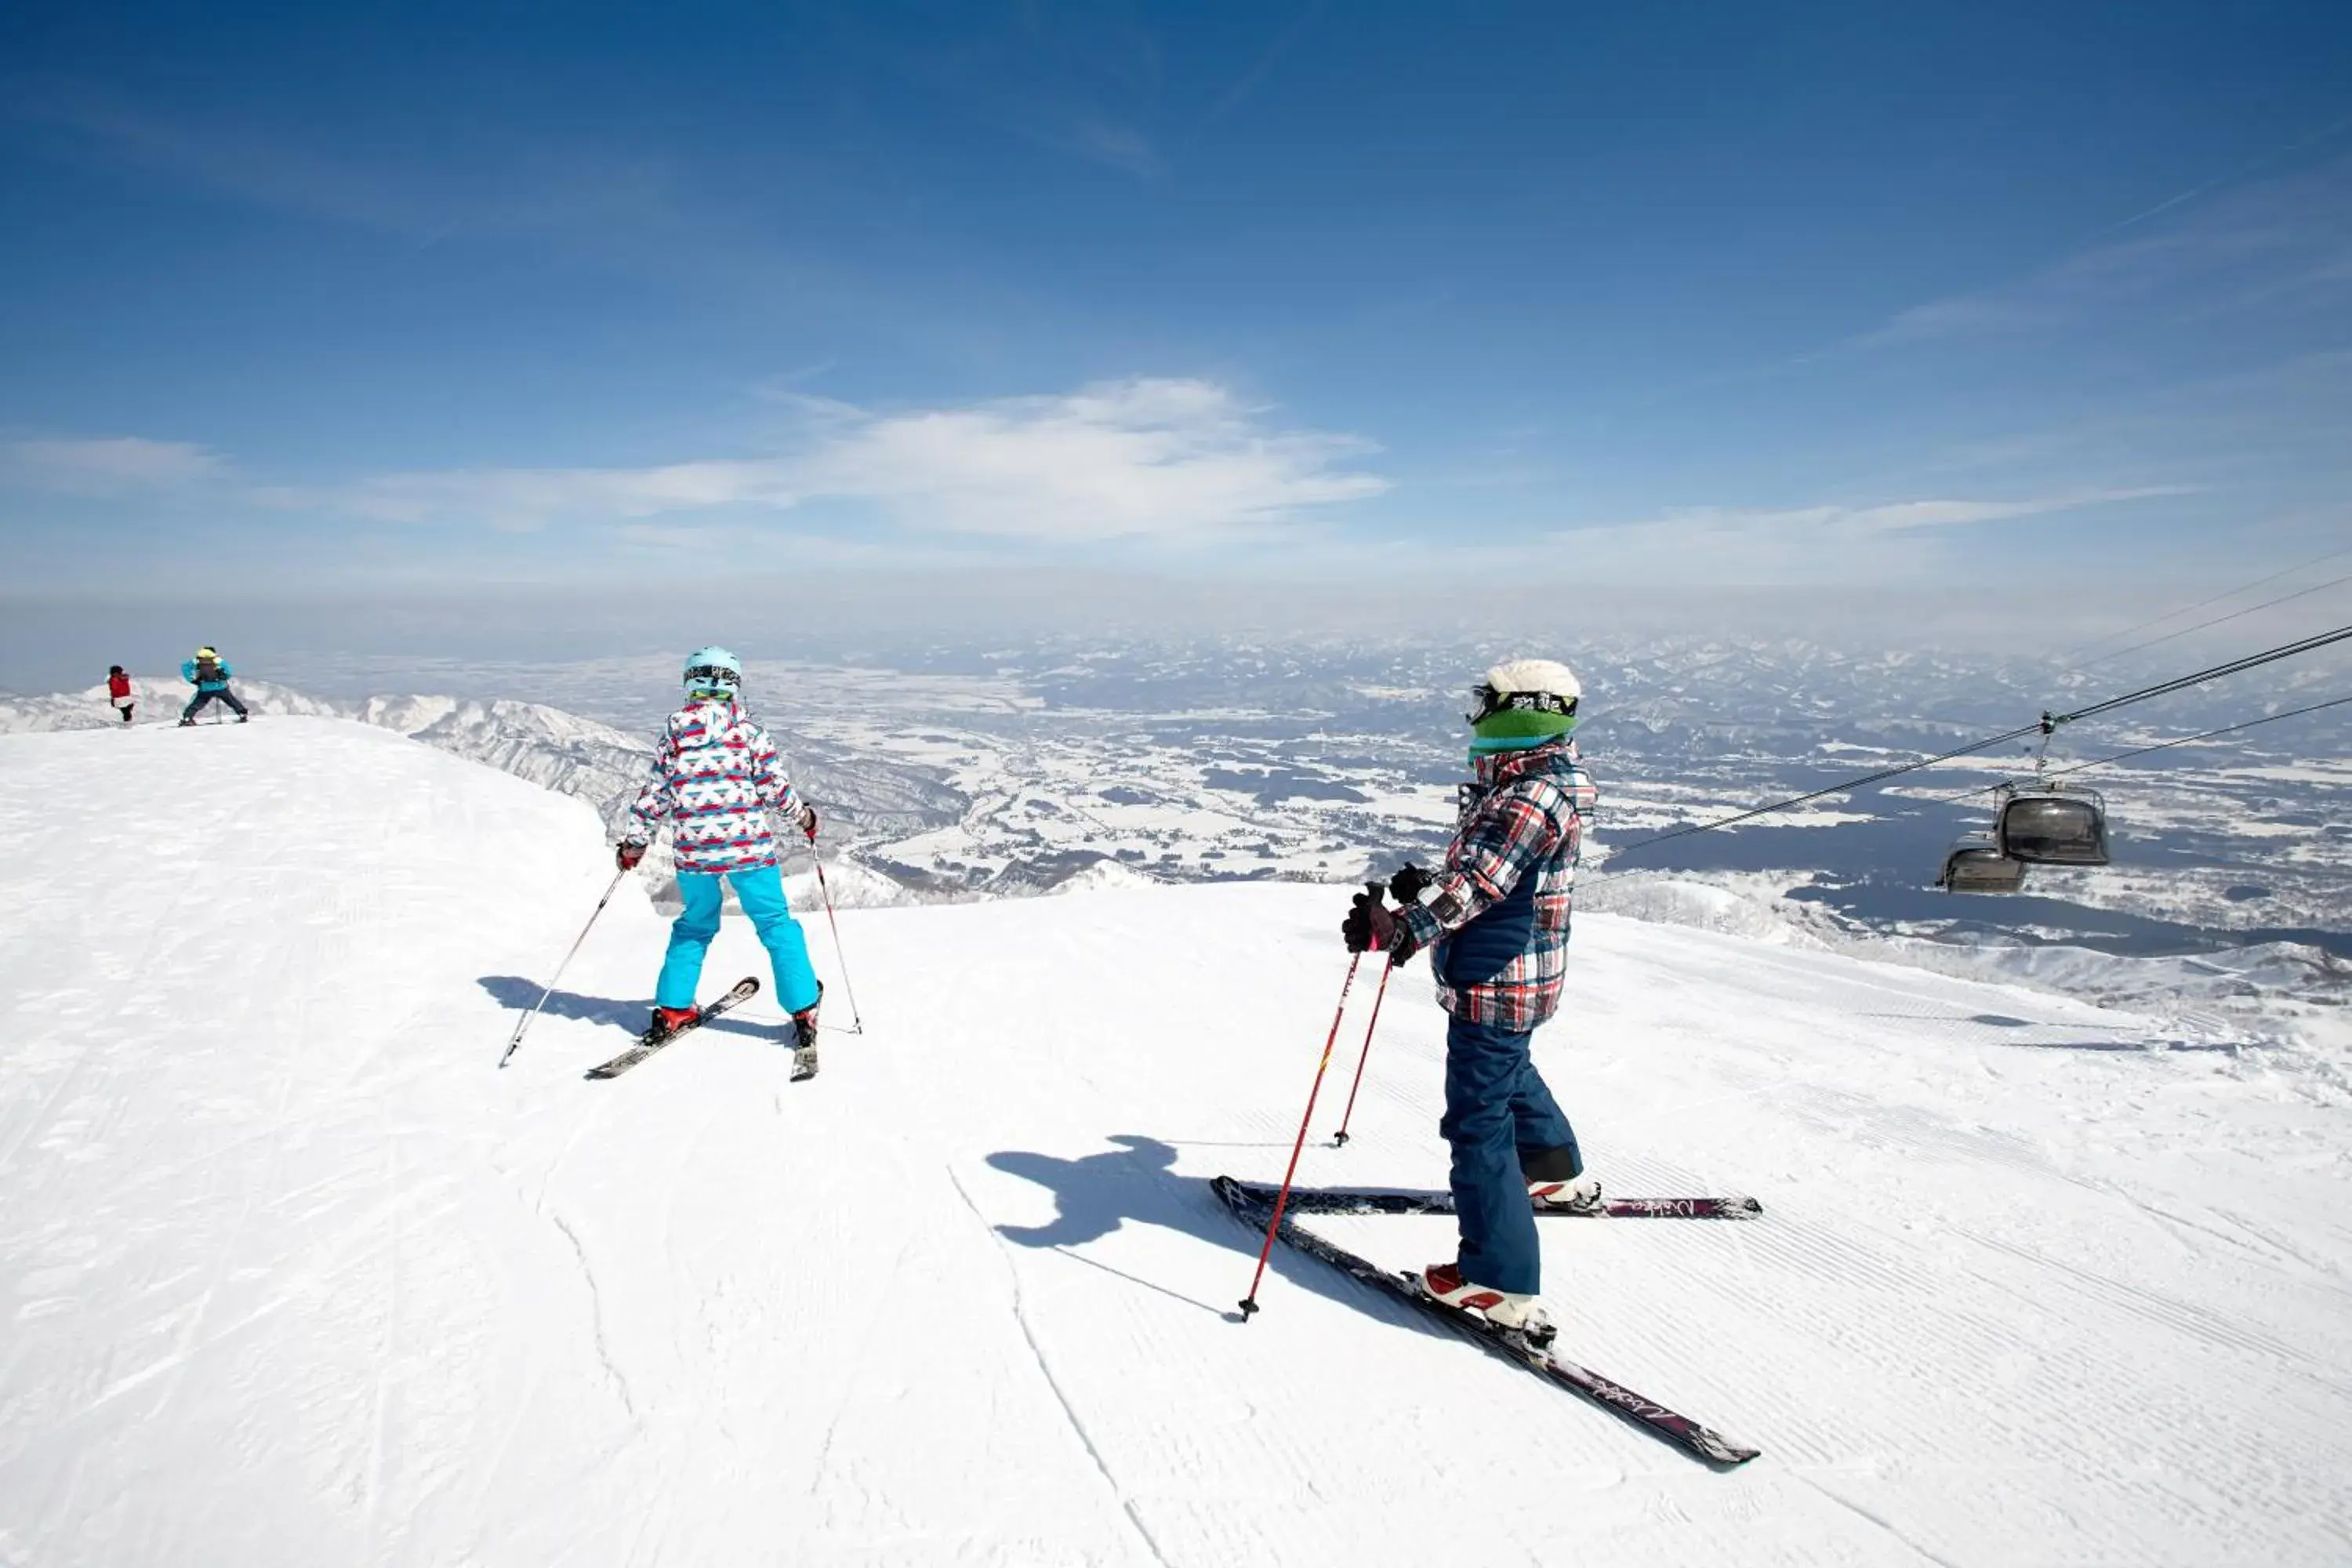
(626,855)
(1410,882)
(1370,928)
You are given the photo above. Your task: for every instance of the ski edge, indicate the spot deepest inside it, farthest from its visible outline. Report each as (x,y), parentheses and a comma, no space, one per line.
(1399,1201)
(742,991)
(1700,1441)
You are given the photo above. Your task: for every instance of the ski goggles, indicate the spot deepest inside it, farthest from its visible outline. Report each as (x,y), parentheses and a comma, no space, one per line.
(714,675)
(1486,703)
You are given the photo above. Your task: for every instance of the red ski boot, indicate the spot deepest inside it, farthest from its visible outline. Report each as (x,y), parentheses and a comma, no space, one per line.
(668,1021)
(1503,1309)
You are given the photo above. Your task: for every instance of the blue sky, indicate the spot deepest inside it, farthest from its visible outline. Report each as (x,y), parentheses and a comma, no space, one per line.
(343,299)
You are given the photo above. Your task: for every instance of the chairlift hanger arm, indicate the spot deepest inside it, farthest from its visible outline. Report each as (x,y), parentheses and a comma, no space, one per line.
(2043,726)
(2185,740)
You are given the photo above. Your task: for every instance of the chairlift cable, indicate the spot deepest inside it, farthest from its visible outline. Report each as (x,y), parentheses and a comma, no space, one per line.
(2160,746)
(2235,667)
(1841,788)
(2192,609)
(2217,620)
(2047,724)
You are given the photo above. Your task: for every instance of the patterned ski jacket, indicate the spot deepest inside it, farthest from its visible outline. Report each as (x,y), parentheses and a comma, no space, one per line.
(716,778)
(1497,917)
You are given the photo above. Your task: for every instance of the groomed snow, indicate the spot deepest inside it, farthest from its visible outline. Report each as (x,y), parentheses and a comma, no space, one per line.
(291,1275)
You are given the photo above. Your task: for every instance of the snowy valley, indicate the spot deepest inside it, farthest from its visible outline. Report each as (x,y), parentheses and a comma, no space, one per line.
(294,1276)
(978,773)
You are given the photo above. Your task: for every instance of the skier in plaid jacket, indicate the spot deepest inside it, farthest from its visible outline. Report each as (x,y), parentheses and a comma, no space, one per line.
(1514,858)
(1496,926)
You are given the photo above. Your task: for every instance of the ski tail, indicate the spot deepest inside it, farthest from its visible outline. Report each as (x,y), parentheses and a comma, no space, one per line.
(1699,1441)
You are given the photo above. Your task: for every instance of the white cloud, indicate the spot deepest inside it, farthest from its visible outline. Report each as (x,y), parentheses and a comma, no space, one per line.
(1883,542)
(1896,517)
(2220,245)
(1157,459)
(1112,145)
(1959,316)
(524,498)
(111,465)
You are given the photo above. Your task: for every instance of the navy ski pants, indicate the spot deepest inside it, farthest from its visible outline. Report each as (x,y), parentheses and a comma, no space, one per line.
(207,696)
(1499,1116)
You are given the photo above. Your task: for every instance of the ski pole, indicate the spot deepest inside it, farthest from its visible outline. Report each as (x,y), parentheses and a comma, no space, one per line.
(1339,1140)
(857,1020)
(1282,1199)
(610,890)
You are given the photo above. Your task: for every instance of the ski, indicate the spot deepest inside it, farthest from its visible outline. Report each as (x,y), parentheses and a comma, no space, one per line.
(649,1042)
(1700,1441)
(1377,1200)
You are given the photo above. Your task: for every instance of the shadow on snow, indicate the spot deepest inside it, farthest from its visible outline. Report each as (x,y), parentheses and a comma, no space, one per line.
(1096,1195)
(516,994)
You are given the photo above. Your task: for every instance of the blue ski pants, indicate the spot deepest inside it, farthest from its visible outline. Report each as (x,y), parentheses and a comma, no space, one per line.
(760,892)
(1499,1117)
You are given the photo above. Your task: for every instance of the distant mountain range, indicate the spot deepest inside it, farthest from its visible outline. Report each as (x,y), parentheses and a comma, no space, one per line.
(1215,764)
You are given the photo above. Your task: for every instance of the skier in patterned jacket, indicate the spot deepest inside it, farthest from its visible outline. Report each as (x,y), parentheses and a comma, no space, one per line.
(1497,925)
(716,778)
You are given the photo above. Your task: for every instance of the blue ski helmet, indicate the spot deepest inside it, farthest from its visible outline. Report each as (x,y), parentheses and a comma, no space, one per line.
(713,672)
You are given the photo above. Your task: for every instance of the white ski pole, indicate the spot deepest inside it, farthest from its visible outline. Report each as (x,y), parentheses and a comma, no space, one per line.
(610,890)
(856,1019)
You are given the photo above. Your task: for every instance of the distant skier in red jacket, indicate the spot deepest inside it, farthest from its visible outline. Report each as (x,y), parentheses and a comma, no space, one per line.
(118,691)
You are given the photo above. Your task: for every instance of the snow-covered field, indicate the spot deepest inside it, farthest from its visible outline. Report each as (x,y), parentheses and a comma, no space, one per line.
(291,1275)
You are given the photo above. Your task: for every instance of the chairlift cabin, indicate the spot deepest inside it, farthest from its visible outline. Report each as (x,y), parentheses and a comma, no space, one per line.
(2051,824)
(1975,865)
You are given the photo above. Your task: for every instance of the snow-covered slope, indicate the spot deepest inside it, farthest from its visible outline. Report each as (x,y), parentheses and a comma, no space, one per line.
(558,751)
(291,1275)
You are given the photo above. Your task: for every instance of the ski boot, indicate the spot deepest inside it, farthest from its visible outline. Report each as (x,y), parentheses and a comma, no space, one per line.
(187,723)
(1577,1194)
(805,1038)
(1522,1315)
(668,1021)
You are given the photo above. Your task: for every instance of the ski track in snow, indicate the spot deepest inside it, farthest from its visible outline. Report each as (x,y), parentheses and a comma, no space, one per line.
(291,1275)
(1046,1371)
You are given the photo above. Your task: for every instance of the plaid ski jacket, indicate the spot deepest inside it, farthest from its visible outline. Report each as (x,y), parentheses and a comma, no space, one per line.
(1497,918)
(716,778)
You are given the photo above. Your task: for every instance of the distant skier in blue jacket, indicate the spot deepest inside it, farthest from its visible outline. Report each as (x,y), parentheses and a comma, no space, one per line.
(209,673)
